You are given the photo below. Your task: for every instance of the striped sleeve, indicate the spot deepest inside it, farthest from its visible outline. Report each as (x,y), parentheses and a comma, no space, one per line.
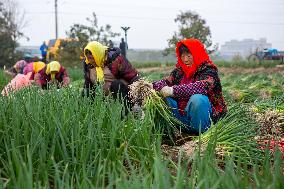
(158,85)
(187,90)
(199,87)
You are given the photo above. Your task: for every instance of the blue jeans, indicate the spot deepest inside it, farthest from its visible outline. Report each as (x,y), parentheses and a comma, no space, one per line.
(198,111)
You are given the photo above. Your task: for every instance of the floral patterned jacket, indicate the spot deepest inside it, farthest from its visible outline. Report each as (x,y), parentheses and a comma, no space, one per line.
(204,81)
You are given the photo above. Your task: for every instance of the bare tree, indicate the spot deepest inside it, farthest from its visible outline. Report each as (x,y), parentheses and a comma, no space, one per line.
(12,21)
(15,18)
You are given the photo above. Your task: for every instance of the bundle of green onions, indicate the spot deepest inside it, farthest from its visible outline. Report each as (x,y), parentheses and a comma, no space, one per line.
(234,136)
(142,94)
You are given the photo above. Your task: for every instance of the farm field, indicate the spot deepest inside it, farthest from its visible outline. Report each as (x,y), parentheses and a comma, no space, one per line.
(58,139)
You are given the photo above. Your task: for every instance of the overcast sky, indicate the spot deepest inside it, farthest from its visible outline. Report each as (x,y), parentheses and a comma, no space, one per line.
(152,21)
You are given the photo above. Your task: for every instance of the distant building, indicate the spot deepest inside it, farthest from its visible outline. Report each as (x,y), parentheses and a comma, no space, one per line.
(242,48)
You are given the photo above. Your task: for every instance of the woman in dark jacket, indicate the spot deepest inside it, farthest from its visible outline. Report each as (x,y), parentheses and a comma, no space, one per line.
(106,66)
(193,90)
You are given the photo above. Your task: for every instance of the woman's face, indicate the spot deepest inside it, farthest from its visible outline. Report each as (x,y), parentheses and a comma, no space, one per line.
(187,58)
(91,59)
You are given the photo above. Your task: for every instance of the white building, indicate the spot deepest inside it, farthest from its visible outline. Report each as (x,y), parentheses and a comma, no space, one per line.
(242,48)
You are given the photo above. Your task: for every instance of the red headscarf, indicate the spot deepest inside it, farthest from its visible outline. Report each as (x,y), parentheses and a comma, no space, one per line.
(198,52)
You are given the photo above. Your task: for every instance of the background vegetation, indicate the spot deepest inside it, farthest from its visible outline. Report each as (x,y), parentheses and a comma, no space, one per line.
(58,139)
(11,22)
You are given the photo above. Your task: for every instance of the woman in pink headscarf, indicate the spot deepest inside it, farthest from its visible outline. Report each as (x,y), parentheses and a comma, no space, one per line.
(17,68)
(25,79)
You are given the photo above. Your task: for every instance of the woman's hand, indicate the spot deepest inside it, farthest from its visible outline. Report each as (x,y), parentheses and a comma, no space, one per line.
(150,85)
(167,91)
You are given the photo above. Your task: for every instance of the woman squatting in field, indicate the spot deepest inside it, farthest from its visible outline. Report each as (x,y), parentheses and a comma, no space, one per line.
(193,90)
(107,67)
(52,73)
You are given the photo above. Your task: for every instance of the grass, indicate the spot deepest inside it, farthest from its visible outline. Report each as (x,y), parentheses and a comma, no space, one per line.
(246,64)
(151,64)
(247,88)
(67,132)
(66,141)
(75,73)
(58,139)
(226,64)
(4,79)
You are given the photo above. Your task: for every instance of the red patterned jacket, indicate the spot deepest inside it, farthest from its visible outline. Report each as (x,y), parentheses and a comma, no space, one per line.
(204,81)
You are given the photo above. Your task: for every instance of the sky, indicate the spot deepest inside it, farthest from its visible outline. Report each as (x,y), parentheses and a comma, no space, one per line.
(152,23)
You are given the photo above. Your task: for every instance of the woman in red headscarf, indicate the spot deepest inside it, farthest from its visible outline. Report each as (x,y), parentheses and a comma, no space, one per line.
(193,90)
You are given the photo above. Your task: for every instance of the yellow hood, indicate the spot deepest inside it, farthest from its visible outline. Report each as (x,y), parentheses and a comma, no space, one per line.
(52,67)
(37,66)
(99,53)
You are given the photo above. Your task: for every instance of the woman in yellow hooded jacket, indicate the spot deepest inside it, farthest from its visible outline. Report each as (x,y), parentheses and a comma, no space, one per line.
(52,73)
(33,68)
(106,66)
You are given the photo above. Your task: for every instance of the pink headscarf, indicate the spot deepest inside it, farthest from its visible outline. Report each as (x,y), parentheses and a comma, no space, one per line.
(20,65)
